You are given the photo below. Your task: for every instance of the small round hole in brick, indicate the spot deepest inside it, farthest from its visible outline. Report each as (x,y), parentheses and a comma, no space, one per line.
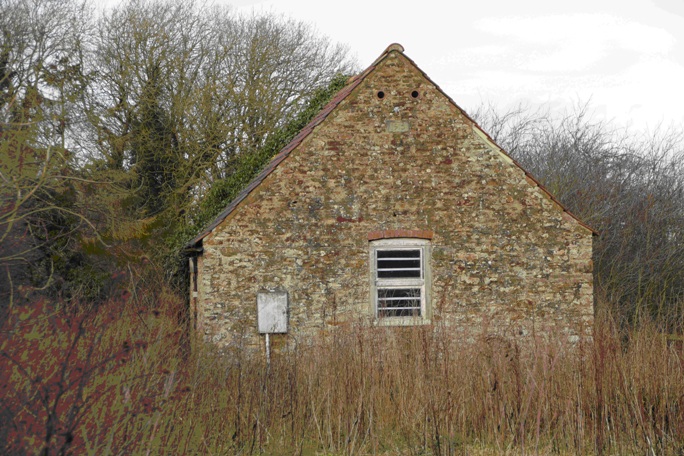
(414,94)
(381,94)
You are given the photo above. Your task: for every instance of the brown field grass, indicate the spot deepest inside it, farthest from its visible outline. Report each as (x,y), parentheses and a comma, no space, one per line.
(121,381)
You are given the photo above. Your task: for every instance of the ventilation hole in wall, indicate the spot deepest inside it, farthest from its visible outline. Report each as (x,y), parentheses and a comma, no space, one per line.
(414,94)
(381,94)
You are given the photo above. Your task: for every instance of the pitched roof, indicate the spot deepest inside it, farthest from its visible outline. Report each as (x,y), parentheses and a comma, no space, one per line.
(323,114)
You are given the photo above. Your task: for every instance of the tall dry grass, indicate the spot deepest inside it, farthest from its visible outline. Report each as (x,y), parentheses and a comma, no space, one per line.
(124,382)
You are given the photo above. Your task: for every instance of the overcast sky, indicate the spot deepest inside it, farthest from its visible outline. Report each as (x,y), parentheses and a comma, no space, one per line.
(625,57)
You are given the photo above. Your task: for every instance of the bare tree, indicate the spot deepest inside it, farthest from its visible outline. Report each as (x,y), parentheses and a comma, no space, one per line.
(41,57)
(40,84)
(123,123)
(184,89)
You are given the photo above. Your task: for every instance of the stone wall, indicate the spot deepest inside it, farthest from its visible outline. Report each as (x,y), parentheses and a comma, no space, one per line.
(505,258)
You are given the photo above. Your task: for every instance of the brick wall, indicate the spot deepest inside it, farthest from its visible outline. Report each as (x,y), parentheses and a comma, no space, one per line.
(504,257)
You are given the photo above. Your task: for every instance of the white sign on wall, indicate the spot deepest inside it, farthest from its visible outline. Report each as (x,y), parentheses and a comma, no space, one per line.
(272,312)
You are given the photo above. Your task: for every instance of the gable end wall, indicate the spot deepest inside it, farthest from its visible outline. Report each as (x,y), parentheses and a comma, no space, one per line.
(504,257)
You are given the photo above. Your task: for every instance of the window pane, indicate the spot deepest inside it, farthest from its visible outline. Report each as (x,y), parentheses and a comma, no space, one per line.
(404,253)
(398,264)
(382,313)
(399,302)
(399,293)
(395,274)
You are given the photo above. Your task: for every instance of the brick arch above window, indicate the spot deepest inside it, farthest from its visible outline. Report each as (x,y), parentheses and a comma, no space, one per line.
(392,234)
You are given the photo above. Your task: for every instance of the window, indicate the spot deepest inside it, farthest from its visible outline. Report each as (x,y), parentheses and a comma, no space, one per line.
(399,273)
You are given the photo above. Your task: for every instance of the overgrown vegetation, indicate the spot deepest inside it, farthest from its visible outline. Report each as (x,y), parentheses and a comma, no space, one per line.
(113,126)
(248,166)
(121,381)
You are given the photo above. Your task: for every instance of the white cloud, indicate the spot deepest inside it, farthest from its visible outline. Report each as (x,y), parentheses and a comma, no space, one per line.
(574,42)
(580,28)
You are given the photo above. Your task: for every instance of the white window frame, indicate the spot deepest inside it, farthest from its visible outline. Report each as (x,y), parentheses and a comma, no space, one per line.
(422,283)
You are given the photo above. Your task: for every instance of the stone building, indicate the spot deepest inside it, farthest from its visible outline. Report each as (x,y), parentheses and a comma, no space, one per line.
(392,207)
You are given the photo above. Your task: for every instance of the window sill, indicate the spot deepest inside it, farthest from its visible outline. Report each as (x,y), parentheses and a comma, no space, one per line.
(402,321)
